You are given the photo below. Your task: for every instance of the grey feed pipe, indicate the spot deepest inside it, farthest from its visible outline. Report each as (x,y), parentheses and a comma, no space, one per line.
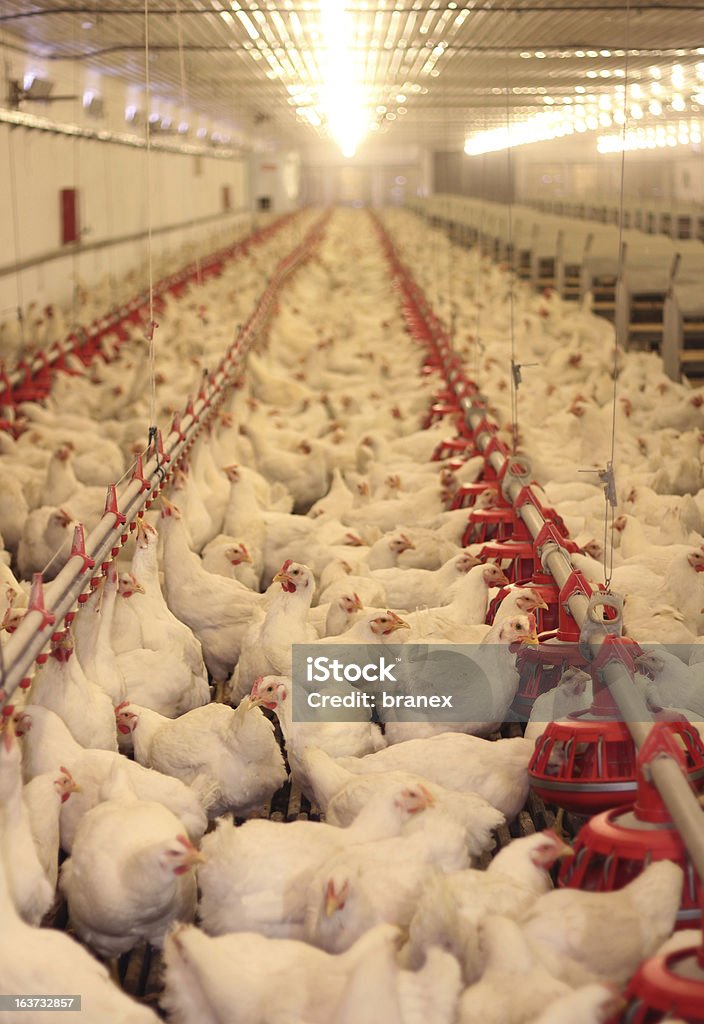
(33,634)
(672,785)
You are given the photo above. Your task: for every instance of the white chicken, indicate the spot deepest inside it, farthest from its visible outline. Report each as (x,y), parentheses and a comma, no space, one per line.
(495,770)
(338,739)
(361,886)
(278,980)
(42,960)
(129,875)
(587,936)
(342,795)
(47,745)
(266,647)
(218,610)
(62,686)
(43,796)
(229,758)
(515,985)
(453,906)
(30,889)
(411,588)
(255,876)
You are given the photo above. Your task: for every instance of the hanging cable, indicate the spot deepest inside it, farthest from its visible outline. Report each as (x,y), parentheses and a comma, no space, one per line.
(607,476)
(152,325)
(184,104)
(515,376)
(14,210)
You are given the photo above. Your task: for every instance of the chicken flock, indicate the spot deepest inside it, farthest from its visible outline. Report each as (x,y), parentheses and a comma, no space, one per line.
(137,771)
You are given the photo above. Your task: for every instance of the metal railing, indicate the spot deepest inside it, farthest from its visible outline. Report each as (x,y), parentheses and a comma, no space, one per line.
(51,605)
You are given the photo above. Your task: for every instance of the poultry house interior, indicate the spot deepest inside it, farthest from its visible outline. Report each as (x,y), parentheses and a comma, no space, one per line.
(352,513)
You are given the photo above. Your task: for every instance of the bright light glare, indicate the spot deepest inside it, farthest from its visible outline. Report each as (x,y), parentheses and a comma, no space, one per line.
(342,97)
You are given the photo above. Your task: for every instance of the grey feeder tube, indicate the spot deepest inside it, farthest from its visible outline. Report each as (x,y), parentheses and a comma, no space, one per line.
(672,785)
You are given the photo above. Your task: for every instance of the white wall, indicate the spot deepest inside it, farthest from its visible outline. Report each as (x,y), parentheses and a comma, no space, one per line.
(120,188)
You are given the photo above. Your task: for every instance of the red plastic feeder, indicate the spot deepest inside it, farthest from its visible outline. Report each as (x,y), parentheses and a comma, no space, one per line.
(615,846)
(542,667)
(453,446)
(668,986)
(546,588)
(587,763)
(500,524)
(466,495)
(514,556)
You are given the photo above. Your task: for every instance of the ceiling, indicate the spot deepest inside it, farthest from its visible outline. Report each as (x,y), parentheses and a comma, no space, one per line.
(430,71)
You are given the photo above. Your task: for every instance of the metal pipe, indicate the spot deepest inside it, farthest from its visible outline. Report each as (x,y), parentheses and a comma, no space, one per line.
(69,345)
(78,248)
(20,119)
(672,785)
(33,634)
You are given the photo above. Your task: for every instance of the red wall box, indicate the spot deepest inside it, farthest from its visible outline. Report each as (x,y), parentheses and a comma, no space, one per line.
(70,229)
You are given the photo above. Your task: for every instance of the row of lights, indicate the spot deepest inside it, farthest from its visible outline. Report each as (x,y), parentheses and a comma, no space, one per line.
(660,136)
(668,93)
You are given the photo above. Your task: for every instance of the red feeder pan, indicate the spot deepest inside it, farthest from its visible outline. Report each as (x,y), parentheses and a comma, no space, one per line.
(450,447)
(500,524)
(466,495)
(514,556)
(667,985)
(542,667)
(615,846)
(587,762)
(547,618)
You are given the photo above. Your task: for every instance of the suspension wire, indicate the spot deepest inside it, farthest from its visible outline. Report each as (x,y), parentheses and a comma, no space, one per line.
(608,475)
(152,323)
(478,343)
(184,104)
(75,161)
(14,210)
(515,376)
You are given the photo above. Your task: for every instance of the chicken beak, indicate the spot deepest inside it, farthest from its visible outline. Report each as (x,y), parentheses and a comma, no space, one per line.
(8,733)
(190,856)
(282,577)
(542,604)
(334,901)
(397,623)
(428,798)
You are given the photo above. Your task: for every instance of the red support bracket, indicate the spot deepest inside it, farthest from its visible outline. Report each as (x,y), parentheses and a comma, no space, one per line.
(190,411)
(139,475)
(78,548)
(111,506)
(176,427)
(616,648)
(36,601)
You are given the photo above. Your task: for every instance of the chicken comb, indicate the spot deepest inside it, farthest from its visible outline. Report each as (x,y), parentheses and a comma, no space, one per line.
(531,620)
(121,705)
(66,772)
(185,841)
(287,565)
(255,686)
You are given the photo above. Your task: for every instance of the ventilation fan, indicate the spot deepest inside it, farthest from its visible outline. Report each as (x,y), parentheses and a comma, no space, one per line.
(36,89)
